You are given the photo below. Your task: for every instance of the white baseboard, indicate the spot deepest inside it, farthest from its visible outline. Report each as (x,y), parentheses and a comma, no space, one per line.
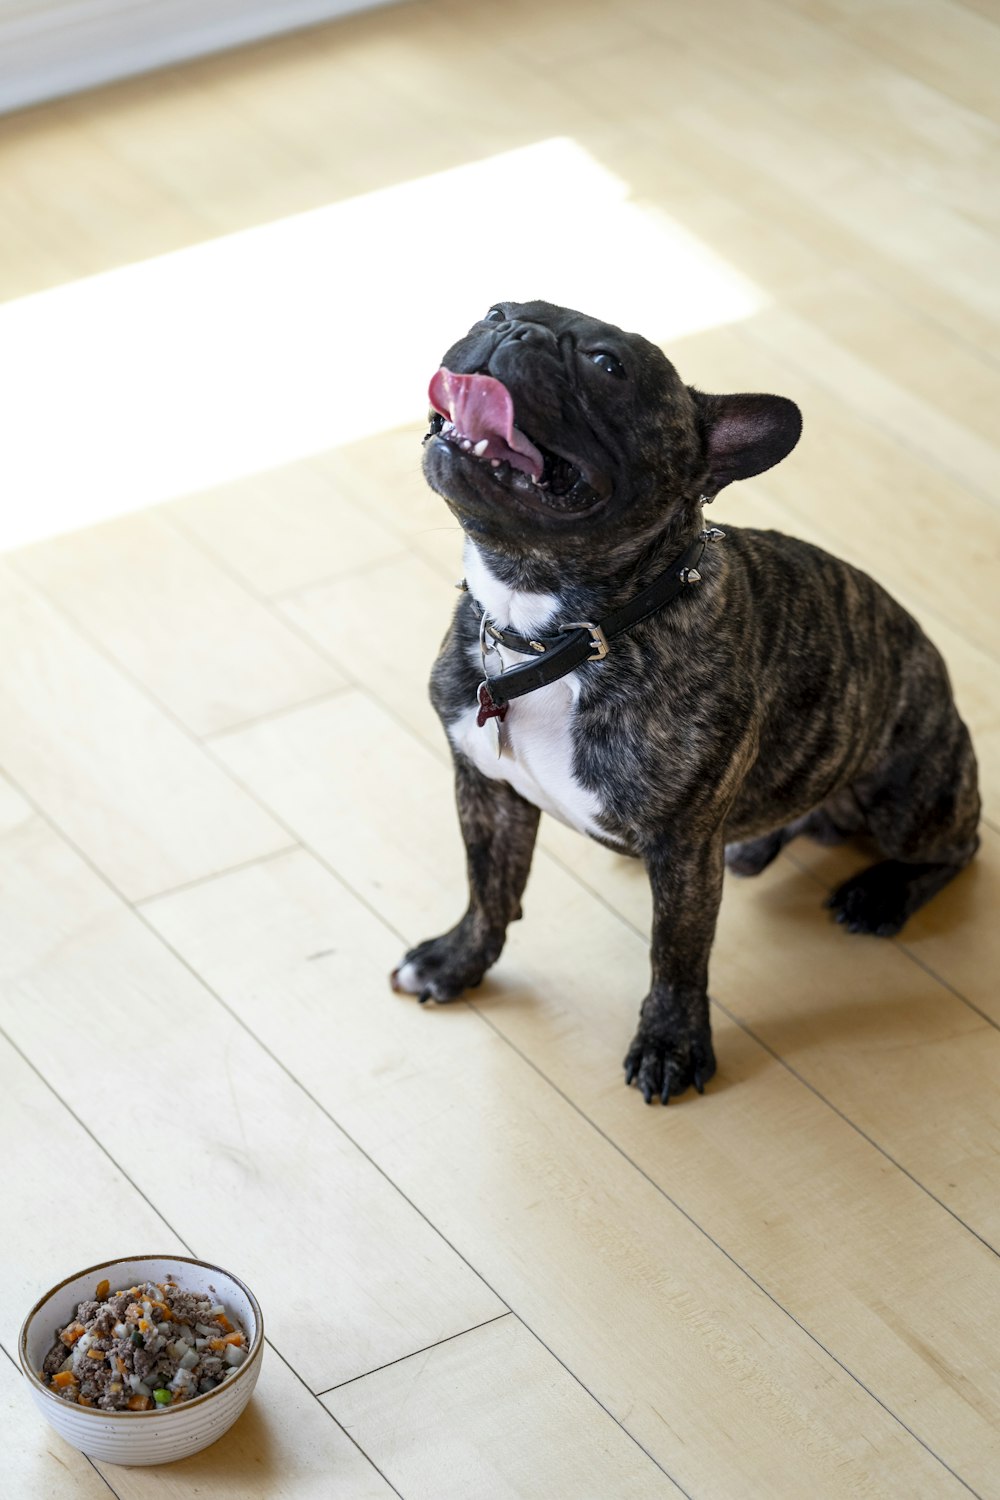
(54,47)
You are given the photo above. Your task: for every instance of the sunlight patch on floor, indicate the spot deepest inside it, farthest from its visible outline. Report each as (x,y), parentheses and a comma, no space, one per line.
(247,352)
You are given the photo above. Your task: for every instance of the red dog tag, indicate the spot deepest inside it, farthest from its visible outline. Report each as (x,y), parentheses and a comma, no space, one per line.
(487,708)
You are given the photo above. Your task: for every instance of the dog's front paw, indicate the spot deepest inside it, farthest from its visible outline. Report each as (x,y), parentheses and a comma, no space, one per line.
(442,967)
(663,1061)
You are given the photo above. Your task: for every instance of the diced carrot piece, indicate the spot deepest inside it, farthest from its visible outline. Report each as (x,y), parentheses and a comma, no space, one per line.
(234,1338)
(97,1353)
(216,1343)
(83,1400)
(120,1364)
(139,1403)
(64,1378)
(102,1290)
(144,1325)
(223,1322)
(70,1334)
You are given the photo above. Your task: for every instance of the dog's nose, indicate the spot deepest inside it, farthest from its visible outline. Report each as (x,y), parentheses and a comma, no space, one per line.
(529,333)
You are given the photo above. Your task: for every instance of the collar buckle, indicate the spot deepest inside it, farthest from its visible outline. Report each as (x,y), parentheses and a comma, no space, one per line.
(598,639)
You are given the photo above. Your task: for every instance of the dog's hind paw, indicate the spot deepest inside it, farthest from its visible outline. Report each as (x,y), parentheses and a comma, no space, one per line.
(662,1069)
(880,899)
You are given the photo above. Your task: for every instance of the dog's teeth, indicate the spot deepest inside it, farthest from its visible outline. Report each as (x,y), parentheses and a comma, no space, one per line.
(495,462)
(448,427)
(466,444)
(481,447)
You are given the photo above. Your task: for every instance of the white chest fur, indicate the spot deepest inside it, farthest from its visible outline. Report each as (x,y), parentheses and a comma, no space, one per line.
(538,731)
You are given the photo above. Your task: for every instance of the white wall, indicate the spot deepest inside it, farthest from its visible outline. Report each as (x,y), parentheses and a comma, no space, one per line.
(52,47)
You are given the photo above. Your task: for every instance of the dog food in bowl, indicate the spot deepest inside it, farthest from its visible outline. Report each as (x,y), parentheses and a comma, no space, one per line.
(146,1347)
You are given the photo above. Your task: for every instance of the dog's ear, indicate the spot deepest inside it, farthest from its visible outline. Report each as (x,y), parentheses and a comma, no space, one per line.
(744,435)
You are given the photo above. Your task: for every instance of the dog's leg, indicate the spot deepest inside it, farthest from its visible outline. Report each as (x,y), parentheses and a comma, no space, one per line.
(499,829)
(922,809)
(834,821)
(754,855)
(673,1045)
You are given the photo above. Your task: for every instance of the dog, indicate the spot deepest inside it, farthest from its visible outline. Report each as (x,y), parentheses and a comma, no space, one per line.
(689,697)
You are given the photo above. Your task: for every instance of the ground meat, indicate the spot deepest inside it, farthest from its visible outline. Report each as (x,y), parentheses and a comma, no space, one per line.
(150,1345)
(55,1359)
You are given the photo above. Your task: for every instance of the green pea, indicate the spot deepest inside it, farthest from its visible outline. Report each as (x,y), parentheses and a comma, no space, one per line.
(137,1340)
(162,1398)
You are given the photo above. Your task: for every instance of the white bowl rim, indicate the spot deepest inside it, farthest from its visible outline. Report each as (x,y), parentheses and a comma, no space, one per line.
(132,1416)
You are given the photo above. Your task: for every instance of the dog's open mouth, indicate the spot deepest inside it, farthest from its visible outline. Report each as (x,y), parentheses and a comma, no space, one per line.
(475,413)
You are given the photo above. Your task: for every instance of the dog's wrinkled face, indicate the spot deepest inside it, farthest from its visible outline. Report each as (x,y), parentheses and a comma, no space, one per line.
(549,426)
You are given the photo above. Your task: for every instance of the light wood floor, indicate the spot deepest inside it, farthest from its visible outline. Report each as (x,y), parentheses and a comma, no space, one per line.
(486,1268)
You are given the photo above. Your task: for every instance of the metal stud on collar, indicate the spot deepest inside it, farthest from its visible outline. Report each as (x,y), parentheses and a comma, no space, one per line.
(689,575)
(712,534)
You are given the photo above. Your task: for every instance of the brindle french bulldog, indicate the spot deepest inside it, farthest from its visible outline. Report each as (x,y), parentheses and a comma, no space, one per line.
(689,698)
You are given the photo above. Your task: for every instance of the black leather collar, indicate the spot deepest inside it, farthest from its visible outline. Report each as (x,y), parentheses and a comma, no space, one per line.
(577,641)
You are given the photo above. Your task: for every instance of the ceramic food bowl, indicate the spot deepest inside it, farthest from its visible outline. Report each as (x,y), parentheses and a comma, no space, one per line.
(143,1437)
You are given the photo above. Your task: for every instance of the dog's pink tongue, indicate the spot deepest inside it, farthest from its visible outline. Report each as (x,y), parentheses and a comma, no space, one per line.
(481,409)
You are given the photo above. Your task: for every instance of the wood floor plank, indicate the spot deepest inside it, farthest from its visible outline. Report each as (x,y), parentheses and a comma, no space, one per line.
(382,474)
(75,210)
(408,604)
(280,1194)
(917,425)
(201,644)
(13,808)
(494,1414)
(946,45)
(573,1016)
(659,1325)
(417,84)
(915,353)
(185,142)
(144,803)
(65,1170)
(842,89)
(287,528)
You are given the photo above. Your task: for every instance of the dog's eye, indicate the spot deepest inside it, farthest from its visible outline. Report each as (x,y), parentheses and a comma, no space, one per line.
(495,315)
(607,363)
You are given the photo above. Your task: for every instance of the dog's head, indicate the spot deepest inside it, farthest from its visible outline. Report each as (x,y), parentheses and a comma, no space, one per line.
(551,430)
